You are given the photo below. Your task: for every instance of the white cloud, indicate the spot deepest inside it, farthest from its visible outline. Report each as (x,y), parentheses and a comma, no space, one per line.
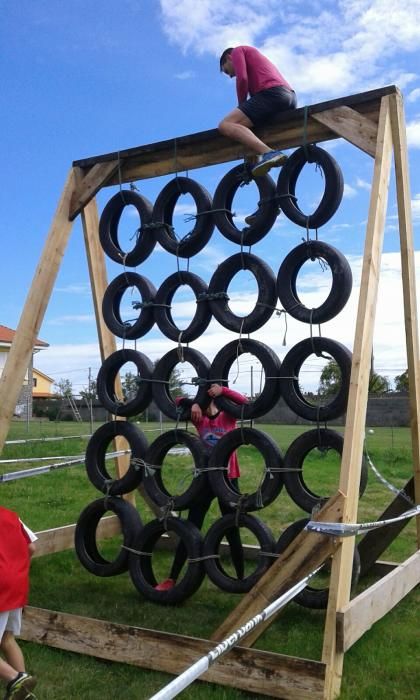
(413,133)
(414,95)
(363,184)
(185,75)
(349,191)
(71,318)
(415,207)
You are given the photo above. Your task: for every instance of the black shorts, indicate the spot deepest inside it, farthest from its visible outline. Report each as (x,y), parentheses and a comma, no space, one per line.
(264,105)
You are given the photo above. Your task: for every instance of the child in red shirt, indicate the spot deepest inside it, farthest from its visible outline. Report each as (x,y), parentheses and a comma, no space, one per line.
(16,549)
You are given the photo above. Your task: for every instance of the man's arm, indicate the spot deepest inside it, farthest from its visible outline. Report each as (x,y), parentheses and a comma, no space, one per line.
(218,390)
(241,73)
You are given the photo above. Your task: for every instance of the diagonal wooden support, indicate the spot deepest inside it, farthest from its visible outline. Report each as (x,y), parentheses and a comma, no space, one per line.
(307,551)
(352,126)
(90,184)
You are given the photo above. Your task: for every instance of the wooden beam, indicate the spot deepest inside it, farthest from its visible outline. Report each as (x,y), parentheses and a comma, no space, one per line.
(59,539)
(370,606)
(307,551)
(409,283)
(259,672)
(19,356)
(352,126)
(375,542)
(90,185)
(352,456)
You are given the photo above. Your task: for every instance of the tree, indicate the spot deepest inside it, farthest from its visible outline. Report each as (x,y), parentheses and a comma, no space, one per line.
(129,385)
(64,387)
(401,381)
(90,392)
(176,385)
(331,378)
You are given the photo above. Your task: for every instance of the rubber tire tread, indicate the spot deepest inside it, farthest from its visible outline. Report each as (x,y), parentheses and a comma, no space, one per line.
(219,372)
(163,299)
(340,291)
(333,192)
(267,293)
(105,382)
(85,535)
(108,228)
(290,389)
(95,457)
(294,459)
(272,483)
(268,209)
(141,569)
(214,536)
(162,372)
(163,211)
(112,300)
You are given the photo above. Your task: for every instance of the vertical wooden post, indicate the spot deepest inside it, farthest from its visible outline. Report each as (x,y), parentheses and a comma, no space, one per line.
(409,283)
(34,310)
(358,392)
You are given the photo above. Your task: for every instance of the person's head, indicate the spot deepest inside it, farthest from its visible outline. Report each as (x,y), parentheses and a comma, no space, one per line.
(226,65)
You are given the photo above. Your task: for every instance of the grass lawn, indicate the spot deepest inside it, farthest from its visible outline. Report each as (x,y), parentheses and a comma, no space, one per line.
(383,664)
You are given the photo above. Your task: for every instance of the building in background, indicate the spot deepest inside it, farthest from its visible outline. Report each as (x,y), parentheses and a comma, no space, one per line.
(42,385)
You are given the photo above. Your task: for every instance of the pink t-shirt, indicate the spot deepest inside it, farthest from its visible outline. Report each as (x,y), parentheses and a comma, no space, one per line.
(211,430)
(254,72)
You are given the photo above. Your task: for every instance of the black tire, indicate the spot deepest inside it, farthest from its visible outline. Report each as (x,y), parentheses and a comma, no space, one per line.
(214,567)
(323,439)
(219,372)
(112,300)
(163,316)
(153,482)
(95,458)
(267,295)
(222,486)
(141,567)
(163,369)
(108,228)
(163,211)
(334,186)
(289,379)
(268,209)
(339,294)
(105,383)
(85,535)
(315,598)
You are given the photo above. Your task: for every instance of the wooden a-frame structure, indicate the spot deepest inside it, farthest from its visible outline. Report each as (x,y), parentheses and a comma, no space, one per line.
(374,122)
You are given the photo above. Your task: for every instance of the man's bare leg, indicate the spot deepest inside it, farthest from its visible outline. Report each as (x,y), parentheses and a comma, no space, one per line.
(237,126)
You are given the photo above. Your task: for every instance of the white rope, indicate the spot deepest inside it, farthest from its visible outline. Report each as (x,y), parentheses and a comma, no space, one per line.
(351,529)
(36,471)
(201,666)
(37,459)
(45,439)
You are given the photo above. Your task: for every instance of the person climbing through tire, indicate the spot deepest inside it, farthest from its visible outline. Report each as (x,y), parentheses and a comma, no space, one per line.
(211,424)
(269,93)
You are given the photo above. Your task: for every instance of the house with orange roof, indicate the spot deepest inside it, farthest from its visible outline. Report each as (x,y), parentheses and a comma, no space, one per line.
(24,403)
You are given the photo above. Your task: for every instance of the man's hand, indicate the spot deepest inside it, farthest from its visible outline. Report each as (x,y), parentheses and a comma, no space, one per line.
(215,391)
(196,413)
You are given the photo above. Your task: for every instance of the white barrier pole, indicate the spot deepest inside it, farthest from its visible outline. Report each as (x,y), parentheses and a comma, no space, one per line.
(201,666)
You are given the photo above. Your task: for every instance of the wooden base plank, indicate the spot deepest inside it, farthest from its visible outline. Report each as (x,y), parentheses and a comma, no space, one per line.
(261,672)
(352,126)
(59,539)
(371,605)
(90,185)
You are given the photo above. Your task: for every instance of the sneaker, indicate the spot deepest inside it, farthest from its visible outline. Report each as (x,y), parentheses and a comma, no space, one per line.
(251,218)
(269,160)
(165,585)
(20,688)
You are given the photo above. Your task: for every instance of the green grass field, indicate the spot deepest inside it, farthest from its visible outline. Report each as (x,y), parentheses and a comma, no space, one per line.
(383,664)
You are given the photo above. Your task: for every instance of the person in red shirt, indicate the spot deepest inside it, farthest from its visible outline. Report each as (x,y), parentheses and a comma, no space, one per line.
(262,92)
(16,549)
(211,425)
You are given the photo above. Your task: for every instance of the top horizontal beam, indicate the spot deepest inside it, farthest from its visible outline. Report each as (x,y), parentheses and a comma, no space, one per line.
(209,147)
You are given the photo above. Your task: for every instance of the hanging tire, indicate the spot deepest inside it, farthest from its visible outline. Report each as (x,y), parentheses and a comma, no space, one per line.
(85,535)
(141,568)
(219,373)
(333,193)
(214,566)
(222,486)
(163,300)
(341,282)
(268,209)
(310,597)
(163,212)
(96,463)
(112,301)
(267,295)
(323,439)
(160,381)
(108,228)
(289,379)
(153,482)
(105,383)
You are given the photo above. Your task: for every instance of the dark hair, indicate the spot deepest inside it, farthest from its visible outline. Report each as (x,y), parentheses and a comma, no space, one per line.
(225,53)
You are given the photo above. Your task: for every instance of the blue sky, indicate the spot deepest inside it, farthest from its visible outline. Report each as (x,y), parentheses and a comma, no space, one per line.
(80,78)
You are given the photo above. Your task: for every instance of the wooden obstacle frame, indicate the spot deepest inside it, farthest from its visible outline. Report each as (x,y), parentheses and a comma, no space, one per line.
(373,122)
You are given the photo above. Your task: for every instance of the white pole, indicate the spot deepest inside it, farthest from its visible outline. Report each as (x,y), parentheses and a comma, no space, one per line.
(201,666)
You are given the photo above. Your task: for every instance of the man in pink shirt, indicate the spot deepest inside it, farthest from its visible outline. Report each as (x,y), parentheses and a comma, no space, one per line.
(269,93)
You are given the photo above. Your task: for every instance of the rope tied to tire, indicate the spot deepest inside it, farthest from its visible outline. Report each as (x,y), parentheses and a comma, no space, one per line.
(137,552)
(212,296)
